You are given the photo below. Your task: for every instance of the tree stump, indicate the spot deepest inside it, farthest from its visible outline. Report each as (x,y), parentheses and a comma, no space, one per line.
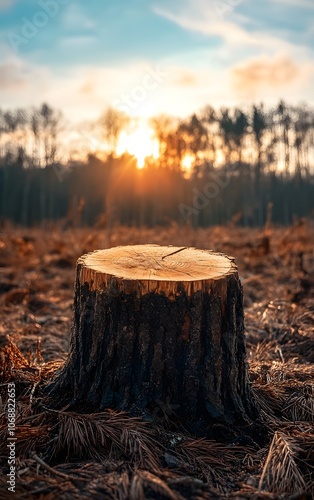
(158,325)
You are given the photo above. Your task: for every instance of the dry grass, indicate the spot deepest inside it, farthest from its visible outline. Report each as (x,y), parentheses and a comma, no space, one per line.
(301,404)
(281,472)
(61,454)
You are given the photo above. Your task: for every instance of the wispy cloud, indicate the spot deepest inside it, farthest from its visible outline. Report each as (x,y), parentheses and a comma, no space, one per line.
(265,71)
(200,17)
(271,77)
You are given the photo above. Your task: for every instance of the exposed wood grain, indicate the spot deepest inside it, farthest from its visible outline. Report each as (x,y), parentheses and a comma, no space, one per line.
(154,268)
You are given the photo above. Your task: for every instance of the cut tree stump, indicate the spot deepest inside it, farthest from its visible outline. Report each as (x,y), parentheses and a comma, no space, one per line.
(159,327)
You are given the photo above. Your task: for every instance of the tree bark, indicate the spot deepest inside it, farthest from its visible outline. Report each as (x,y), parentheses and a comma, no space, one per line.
(158,325)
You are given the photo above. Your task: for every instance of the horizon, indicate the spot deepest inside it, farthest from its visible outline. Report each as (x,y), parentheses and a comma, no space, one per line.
(221,131)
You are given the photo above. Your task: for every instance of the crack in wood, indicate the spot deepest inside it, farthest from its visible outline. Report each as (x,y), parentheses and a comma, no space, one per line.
(173,253)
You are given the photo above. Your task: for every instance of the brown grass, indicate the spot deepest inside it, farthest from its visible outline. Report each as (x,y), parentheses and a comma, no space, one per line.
(61,454)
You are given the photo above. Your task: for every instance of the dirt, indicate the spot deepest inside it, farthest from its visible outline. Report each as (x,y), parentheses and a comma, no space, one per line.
(65,455)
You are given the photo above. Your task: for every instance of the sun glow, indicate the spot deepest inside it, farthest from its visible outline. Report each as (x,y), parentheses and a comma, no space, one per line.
(187,162)
(139,143)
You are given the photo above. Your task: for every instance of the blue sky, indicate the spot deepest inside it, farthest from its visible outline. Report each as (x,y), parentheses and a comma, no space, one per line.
(83,56)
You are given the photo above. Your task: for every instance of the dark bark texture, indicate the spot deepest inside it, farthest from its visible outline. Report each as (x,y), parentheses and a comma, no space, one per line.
(135,352)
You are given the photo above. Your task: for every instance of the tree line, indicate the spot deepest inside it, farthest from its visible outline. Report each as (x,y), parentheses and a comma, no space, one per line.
(212,167)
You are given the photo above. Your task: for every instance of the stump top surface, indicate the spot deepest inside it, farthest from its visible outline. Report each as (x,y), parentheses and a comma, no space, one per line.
(158,263)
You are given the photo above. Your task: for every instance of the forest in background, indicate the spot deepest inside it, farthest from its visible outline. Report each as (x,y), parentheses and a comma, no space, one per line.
(240,163)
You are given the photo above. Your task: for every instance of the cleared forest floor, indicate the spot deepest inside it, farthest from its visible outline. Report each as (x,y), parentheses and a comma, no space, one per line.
(110,455)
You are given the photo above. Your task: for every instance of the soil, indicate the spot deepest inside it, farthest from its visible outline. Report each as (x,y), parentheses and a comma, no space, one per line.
(67,455)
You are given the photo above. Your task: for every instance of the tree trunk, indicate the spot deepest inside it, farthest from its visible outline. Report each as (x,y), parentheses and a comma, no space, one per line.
(158,326)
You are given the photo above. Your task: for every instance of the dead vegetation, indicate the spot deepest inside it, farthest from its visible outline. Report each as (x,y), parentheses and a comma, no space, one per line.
(61,454)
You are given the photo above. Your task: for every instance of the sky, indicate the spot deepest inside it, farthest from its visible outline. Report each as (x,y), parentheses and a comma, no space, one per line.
(148,57)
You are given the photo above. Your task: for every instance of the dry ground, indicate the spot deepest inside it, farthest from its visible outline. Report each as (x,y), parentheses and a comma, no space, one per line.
(68,456)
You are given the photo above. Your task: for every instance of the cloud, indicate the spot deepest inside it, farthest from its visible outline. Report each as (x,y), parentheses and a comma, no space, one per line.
(82,92)
(273,78)
(264,71)
(248,65)
(11,77)
(186,78)
(240,35)
(202,17)
(21,82)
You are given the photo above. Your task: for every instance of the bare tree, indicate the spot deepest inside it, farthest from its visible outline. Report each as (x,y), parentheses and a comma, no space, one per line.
(283,112)
(111,123)
(195,137)
(302,124)
(162,126)
(240,129)
(11,121)
(171,143)
(210,121)
(50,121)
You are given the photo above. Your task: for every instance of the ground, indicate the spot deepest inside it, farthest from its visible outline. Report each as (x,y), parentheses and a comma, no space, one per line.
(109,455)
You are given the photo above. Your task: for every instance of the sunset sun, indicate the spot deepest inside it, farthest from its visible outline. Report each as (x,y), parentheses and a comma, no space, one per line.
(139,143)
